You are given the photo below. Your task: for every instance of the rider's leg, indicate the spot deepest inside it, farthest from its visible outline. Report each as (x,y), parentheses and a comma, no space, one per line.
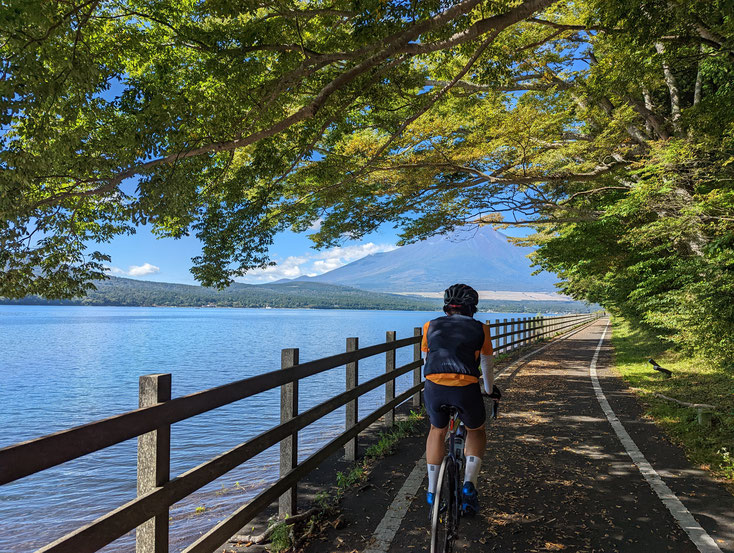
(435,450)
(435,445)
(434,396)
(476,443)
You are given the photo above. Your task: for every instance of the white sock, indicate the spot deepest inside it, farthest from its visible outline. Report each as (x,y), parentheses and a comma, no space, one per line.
(473,464)
(432,477)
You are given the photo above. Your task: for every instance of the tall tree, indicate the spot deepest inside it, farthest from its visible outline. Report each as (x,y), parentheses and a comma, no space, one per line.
(607,126)
(191,115)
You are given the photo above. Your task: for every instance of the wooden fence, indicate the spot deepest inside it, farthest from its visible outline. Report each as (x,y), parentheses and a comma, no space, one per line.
(148,513)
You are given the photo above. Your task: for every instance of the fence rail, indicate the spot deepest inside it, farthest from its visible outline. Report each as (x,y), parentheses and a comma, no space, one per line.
(151,423)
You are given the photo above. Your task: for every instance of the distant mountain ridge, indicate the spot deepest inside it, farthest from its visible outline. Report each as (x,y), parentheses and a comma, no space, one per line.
(309,295)
(483,258)
(298,295)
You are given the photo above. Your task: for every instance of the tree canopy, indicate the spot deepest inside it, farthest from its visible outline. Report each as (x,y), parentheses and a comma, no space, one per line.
(608,126)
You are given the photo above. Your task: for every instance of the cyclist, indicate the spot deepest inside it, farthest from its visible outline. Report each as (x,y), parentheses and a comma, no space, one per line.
(456,346)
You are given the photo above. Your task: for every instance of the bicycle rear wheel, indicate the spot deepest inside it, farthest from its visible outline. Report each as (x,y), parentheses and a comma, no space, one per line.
(444,519)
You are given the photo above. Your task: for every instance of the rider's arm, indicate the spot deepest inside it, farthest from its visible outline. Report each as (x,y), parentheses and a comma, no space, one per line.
(487,363)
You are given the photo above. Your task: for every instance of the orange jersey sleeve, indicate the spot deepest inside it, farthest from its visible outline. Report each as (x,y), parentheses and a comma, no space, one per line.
(424,341)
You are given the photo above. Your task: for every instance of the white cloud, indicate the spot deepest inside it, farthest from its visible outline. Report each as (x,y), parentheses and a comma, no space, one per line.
(115,271)
(325,265)
(135,270)
(316,225)
(144,269)
(316,263)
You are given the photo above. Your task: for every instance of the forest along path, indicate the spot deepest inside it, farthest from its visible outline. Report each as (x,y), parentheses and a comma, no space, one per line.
(557,477)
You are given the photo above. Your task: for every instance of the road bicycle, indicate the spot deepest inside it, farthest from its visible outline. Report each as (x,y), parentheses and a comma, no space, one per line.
(446,510)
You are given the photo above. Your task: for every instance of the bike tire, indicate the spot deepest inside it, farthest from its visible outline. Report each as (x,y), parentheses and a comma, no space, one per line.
(444,518)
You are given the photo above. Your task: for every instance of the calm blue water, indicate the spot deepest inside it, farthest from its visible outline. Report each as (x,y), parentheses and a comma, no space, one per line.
(65,366)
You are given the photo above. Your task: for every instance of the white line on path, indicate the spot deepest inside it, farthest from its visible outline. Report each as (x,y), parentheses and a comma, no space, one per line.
(698,535)
(390,523)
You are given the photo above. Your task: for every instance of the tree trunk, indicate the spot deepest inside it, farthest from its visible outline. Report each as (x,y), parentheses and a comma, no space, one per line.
(652,121)
(672,88)
(649,107)
(697,88)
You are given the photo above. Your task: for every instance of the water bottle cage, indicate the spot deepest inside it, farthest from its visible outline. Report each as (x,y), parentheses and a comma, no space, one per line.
(458,446)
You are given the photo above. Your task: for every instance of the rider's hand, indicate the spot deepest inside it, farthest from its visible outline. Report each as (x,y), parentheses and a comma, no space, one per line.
(496,393)
(495,397)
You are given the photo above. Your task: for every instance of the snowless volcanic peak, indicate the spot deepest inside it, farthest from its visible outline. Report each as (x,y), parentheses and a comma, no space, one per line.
(482,258)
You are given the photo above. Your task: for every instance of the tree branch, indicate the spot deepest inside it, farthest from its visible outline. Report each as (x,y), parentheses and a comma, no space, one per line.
(497,22)
(649,116)
(594,191)
(399,43)
(592,216)
(565,27)
(466,85)
(509,179)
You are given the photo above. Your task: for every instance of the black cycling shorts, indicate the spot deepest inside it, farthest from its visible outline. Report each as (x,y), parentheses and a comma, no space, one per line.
(467,399)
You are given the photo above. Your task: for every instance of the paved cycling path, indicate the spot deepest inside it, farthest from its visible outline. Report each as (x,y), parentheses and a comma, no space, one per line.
(559,476)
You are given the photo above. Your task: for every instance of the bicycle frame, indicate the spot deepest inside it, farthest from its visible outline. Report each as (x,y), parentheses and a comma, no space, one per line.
(447,506)
(446,511)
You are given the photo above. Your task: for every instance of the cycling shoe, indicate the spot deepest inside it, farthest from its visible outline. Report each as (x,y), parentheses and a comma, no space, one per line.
(469,499)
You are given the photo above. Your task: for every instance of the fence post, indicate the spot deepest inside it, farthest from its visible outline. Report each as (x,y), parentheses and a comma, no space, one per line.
(287,503)
(523,326)
(390,384)
(352,412)
(512,334)
(492,340)
(531,333)
(154,462)
(524,331)
(538,328)
(417,331)
(504,331)
(531,330)
(541,328)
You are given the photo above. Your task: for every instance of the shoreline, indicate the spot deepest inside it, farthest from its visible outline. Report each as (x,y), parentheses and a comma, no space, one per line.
(530,312)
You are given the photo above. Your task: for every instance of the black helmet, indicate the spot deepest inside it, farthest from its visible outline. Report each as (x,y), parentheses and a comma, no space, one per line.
(461,295)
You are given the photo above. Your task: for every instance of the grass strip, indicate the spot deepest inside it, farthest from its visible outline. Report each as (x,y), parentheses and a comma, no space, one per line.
(694,380)
(282,536)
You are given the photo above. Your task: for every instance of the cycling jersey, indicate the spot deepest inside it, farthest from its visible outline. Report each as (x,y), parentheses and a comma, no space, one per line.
(454,344)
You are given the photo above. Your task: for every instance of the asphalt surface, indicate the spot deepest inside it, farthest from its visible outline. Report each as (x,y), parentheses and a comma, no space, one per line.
(555,477)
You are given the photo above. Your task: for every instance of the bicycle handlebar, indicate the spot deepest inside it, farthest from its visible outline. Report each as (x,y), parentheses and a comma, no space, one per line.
(496,393)
(495,397)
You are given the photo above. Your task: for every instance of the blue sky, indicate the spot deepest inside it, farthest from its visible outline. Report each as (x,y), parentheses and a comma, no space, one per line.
(146,257)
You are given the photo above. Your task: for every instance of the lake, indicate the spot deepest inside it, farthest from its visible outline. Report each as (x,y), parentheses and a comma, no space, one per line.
(65,366)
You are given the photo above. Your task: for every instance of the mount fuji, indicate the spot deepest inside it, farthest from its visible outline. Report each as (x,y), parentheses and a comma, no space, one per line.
(482,258)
